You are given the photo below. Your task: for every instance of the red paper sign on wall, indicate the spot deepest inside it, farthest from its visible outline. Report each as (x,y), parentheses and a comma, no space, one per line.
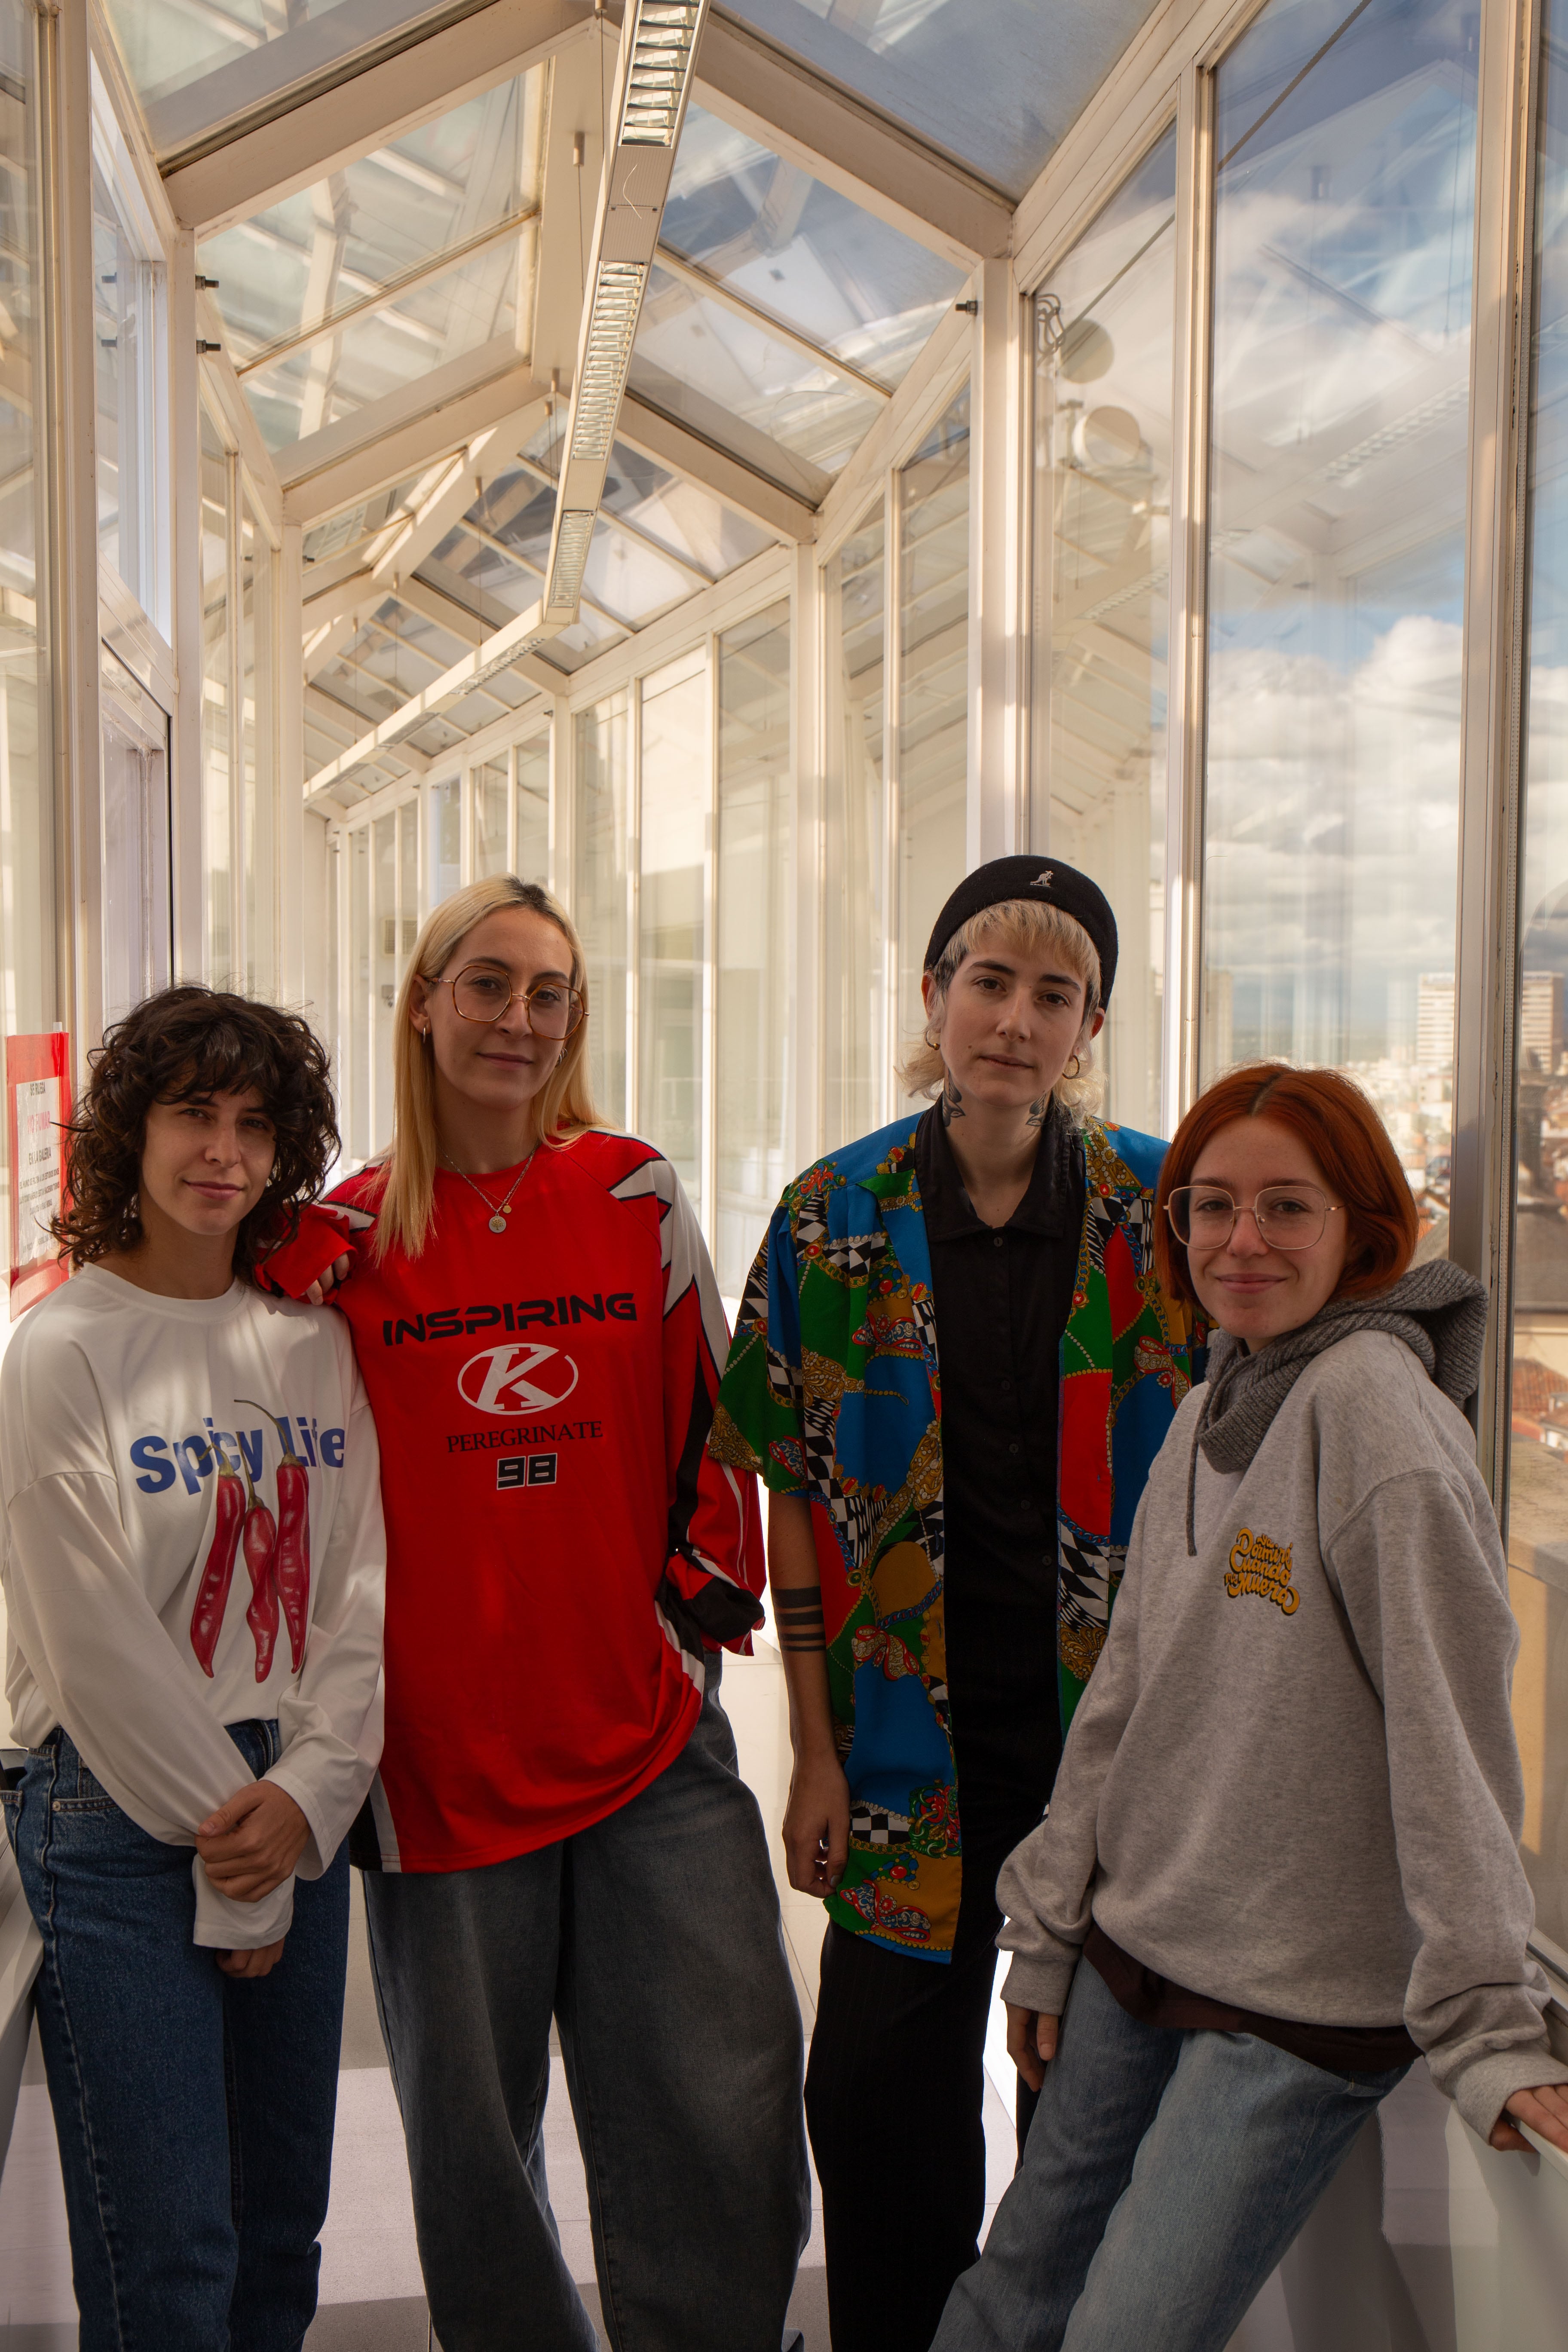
(38,1103)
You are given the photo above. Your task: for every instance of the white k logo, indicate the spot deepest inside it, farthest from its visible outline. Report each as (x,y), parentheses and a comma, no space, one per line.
(501,1380)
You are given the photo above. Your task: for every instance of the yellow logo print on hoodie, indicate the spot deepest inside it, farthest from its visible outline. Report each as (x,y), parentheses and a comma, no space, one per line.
(1257,1564)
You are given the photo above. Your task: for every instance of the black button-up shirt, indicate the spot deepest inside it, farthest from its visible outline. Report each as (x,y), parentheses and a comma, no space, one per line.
(1002,1297)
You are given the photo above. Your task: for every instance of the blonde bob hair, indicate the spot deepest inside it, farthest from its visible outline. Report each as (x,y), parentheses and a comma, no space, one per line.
(1030,929)
(407,1189)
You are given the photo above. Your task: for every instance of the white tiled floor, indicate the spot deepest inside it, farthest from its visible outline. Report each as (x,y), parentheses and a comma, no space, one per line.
(371,2298)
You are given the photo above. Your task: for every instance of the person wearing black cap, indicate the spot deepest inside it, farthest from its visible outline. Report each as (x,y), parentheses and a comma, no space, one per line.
(953,1365)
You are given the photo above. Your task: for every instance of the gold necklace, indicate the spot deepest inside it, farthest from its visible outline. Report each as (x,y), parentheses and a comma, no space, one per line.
(497,1214)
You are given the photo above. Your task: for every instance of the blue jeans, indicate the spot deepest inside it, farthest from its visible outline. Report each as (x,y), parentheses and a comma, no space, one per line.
(1163,2177)
(654,1937)
(193,2112)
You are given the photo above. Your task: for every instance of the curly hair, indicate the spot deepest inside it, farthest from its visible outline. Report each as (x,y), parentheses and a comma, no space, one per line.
(181,1045)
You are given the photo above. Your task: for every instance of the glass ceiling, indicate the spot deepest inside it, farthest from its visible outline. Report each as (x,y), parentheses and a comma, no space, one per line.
(411,256)
(779,319)
(995,82)
(195,63)
(797,250)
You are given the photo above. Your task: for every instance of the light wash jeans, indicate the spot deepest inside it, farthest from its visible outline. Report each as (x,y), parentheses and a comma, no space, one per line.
(193,2111)
(1165,2176)
(654,1937)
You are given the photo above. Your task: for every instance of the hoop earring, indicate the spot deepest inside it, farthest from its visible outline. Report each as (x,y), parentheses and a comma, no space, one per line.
(934,1042)
(1076,1066)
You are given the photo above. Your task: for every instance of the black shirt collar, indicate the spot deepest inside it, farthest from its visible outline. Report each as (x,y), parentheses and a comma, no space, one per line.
(1047,1208)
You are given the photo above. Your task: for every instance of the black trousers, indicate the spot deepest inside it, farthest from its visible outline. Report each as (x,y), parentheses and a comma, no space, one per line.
(893,2104)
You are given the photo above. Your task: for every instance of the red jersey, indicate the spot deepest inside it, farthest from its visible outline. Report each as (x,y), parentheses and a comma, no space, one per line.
(561,1549)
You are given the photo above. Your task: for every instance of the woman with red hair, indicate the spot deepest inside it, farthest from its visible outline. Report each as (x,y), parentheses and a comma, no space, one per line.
(1284,1833)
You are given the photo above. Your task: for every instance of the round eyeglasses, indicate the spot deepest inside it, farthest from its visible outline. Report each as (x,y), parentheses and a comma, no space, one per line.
(1287,1216)
(480,994)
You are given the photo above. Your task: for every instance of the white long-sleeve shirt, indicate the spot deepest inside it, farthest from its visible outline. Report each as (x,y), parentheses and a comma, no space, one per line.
(120,1410)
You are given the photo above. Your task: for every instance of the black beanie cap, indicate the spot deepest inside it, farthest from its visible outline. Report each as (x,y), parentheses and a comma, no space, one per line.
(1044,879)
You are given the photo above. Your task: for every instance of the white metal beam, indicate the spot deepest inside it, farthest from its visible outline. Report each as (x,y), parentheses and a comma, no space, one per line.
(733,484)
(401,549)
(876,162)
(260,166)
(497,653)
(223,386)
(398,436)
(445,610)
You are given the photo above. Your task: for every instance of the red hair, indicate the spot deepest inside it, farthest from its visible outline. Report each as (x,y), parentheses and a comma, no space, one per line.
(1341,1128)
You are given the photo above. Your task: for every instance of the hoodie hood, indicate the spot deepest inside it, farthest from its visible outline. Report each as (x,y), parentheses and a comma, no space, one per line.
(1437,1310)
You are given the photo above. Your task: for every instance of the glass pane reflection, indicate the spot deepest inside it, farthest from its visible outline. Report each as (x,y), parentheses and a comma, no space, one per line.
(799,249)
(676,826)
(793,418)
(995,81)
(600,903)
(855,589)
(751,960)
(1538,1458)
(1104,510)
(934,691)
(1342,260)
(324,258)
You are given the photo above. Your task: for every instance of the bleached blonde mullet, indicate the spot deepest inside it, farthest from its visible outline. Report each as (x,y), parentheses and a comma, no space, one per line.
(407,1190)
(1033,929)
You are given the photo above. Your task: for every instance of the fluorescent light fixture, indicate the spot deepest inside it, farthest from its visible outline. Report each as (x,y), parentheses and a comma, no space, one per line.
(661,44)
(606,356)
(498,662)
(570,561)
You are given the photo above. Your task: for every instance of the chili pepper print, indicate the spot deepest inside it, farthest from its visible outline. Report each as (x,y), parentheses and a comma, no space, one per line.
(260,1543)
(212,1592)
(292,1557)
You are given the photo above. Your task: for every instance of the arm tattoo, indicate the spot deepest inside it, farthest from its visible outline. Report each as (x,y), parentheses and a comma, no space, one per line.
(797,1612)
(952,1102)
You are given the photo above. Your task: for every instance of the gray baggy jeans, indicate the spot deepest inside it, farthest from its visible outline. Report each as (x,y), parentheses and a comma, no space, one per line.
(654,1938)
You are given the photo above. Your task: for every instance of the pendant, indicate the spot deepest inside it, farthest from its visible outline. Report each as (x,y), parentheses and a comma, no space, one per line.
(498,1223)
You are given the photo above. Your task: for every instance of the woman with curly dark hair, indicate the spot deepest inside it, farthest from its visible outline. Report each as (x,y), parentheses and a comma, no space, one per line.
(199,1739)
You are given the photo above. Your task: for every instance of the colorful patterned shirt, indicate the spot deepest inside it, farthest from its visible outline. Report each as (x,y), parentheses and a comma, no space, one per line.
(833,1392)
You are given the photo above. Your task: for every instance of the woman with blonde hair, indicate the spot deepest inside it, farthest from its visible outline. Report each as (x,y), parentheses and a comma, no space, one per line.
(937,1312)
(558,1828)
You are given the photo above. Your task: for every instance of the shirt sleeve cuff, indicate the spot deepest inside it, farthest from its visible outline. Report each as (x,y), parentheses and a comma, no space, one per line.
(226,1925)
(1482,2089)
(320,1846)
(1039,1982)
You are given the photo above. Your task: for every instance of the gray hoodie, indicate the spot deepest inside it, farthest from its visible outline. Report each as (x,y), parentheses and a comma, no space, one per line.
(1292,1783)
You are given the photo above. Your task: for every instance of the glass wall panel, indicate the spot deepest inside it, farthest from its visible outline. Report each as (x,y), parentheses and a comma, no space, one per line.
(383,856)
(125,322)
(1538,1459)
(492,791)
(676,831)
(254,795)
(533,859)
(218,486)
(358,1010)
(601,900)
(446,839)
(1102,594)
(1345,224)
(934,690)
(754,902)
(28,971)
(855,591)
